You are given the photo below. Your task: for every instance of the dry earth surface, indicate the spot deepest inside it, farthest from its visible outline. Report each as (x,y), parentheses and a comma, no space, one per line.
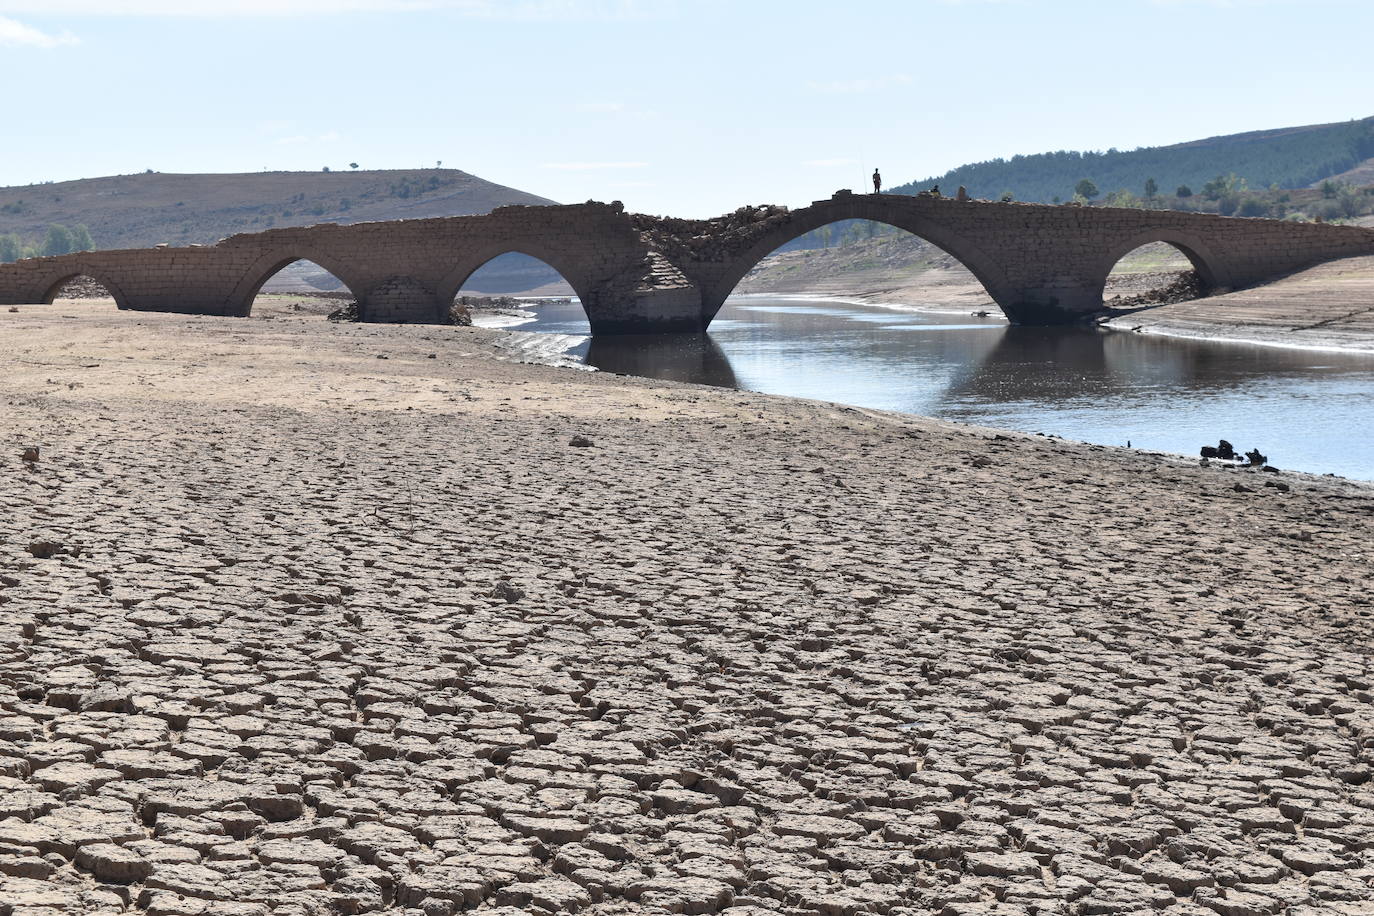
(304,618)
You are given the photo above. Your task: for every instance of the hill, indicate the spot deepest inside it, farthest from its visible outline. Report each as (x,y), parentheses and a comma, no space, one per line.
(1290,157)
(135,211)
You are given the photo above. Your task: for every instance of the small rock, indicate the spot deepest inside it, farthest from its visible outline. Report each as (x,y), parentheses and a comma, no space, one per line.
(45,550)
(30,454)
(580,442)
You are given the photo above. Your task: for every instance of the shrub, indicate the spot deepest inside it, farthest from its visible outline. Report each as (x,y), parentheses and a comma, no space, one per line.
(1086,189)
(1350,203)
(1253,206)
(1184,191)
(1222,186)
(59,240)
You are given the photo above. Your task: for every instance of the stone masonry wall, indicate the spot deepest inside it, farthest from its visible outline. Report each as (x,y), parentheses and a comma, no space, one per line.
(640,274)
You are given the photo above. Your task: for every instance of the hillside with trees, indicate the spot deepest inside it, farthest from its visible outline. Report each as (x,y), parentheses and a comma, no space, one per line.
(1286,158)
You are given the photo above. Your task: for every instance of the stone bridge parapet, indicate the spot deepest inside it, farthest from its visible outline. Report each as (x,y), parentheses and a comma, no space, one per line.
(646,274)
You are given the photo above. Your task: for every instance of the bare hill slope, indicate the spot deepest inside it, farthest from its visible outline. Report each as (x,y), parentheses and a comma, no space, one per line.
(134,211)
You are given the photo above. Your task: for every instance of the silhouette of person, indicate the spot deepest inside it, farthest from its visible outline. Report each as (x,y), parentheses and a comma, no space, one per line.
(877,182)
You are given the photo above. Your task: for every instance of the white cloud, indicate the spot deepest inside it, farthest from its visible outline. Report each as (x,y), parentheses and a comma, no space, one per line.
(14,33)
(875,84)
(525,10)
(831,163)
(592,166)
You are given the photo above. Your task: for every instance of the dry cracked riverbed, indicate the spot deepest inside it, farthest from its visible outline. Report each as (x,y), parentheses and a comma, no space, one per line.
(286,627)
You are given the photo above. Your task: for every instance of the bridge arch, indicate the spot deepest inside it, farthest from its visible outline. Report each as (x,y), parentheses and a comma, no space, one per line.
(1211,268)
(54,284)
(240,302)
(459,275)
(799,222)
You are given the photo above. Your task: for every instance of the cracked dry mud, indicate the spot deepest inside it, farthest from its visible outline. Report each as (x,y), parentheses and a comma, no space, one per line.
(288,629)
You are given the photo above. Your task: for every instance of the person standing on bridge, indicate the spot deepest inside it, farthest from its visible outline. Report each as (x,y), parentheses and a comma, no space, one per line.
(877,182)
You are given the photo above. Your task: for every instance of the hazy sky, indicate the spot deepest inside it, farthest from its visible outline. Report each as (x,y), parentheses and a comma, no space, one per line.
(688,107)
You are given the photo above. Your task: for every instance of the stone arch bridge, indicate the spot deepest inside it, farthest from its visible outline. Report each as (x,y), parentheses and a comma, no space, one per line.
(646,274)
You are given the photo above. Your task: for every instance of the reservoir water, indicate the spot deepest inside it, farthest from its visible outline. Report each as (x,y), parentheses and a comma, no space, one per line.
(1304,409)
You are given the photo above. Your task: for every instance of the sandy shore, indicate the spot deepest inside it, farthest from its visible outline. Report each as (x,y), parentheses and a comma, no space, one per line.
(1329,307)
(305,618)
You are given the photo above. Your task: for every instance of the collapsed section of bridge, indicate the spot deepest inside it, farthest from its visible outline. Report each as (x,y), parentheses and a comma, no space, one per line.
(640,274)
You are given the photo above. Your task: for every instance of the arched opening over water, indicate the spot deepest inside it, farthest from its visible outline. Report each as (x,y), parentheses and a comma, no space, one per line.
(294,285)
(1161,267)
(866,259)
(85,288)
(510,289)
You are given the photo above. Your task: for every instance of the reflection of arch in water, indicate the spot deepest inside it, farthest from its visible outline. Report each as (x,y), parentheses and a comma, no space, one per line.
(983,267)
(694,358)
(1065,364)
(55,286)
(268,266)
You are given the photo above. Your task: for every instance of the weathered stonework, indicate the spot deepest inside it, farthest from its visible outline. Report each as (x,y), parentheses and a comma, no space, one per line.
(647,274)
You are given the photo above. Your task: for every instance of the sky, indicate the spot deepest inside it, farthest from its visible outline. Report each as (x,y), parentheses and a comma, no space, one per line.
(683,107)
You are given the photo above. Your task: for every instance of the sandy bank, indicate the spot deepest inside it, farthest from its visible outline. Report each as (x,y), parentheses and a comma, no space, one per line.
(1330,306)
(339,617)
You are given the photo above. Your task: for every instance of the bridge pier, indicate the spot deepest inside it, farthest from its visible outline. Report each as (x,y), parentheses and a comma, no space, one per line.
(402,300)
(675,310)
(1048,305)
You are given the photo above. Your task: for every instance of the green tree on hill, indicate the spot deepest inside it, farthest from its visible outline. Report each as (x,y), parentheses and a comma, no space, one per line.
(1151,188)
(1086,189)
(59,240)
(81,238)
(1223,186)
(11,248)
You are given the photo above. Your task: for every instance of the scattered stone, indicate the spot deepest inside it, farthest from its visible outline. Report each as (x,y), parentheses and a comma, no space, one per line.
(46,550)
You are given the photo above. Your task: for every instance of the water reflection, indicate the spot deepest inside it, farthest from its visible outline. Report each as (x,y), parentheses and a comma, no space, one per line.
(1306,410)
(677,357)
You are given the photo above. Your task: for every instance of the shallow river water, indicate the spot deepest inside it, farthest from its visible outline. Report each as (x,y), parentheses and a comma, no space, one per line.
(1306,410)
